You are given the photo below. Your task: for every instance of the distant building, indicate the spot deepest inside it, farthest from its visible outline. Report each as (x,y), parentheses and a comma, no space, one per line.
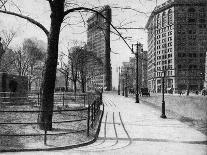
(177,44)
(129,71)
(98,41)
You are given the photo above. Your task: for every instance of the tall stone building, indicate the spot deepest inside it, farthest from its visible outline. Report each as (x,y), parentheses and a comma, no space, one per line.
(177,45)
(98,41)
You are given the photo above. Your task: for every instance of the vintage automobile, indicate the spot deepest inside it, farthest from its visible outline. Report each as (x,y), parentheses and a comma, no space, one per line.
(145,92)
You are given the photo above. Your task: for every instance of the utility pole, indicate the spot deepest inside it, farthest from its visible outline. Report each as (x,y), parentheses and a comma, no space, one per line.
(163,95)
(138,49)
(137,79)
(126,90)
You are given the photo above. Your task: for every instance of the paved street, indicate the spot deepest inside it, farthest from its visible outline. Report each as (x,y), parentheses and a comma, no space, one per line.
(131,128)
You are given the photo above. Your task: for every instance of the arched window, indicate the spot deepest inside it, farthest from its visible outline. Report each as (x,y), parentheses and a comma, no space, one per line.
(163,19)
(169,17)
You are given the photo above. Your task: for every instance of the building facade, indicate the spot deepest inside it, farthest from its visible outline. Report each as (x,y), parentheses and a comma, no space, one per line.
(205,75)
(177,45)
(98,41)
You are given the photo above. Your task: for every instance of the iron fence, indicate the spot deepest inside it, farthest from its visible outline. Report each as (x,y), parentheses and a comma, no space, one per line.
(83,108)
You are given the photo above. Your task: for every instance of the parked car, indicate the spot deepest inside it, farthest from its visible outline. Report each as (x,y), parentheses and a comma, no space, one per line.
(145,92)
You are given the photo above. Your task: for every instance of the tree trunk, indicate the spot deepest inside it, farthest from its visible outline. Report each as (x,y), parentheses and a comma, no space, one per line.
(75,87)
(83,86)
(66,83)
(45,117)
(108,77)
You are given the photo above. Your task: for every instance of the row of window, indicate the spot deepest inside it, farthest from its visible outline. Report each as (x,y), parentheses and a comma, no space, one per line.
(164,62)
(164,56)
(168,73)
(164,45)
(163,30)
(191,67)
(191,55)
(164,40)
(164,51)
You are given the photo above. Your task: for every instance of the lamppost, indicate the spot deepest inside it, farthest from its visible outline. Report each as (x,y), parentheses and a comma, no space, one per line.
(119,83)
(123,87)
(163,95)
(126,90)
(139,48)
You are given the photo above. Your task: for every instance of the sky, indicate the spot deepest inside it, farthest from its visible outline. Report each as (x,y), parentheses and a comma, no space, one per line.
(40,11)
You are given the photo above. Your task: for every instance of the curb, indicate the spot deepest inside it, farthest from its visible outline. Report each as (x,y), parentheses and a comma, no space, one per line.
(64,147)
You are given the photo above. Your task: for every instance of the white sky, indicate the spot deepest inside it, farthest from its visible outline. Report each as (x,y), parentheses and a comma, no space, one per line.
(39,10)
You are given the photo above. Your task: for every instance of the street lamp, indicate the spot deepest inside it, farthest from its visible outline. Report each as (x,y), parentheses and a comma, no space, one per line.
(122,79)
(126,90)
(139,46)
(163,95)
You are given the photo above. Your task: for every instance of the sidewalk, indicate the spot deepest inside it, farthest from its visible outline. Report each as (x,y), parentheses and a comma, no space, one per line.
(151,134)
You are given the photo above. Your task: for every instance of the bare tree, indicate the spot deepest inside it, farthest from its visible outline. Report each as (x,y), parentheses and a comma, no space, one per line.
(65,70)
(73,62)
(6,38)
(21,62)
(35,55)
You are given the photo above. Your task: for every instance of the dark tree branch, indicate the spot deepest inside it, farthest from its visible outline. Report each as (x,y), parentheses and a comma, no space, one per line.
(28,19)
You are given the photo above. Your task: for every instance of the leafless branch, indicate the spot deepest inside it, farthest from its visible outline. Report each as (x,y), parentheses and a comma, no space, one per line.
(17,7)
(82,19)
(129,8)
(28,19)
(8,37)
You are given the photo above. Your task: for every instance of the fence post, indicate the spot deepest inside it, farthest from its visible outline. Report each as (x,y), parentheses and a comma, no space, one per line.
(92,111)
(101,97)
(95,109)
(45,135)
(88,120)
(63,99)
(38,98)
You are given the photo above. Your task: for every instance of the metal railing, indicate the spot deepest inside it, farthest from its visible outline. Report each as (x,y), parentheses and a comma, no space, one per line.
(87,110)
